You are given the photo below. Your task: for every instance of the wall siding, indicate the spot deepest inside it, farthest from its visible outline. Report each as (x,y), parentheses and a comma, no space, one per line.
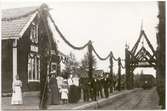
(7,69)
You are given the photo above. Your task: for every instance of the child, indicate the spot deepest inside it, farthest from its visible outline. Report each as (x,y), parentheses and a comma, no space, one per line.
(64,93)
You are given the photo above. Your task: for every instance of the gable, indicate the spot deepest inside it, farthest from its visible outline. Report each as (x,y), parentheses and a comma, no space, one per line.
(143,54)
(143,43)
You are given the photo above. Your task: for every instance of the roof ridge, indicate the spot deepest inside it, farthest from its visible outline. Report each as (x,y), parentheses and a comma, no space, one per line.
(17,13)
(7,9)
(14,20)
(18,17)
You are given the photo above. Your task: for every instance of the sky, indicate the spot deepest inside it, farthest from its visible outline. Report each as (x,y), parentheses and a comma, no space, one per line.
(110,25)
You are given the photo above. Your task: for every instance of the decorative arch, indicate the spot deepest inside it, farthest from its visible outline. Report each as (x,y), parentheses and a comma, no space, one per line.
(139,58)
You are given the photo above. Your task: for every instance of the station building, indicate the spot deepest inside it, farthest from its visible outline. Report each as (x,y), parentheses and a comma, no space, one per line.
(28,47)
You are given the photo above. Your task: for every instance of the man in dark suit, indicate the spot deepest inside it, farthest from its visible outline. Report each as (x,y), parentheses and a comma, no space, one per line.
(94,87)
(85,86)
(106,84)
(100,87)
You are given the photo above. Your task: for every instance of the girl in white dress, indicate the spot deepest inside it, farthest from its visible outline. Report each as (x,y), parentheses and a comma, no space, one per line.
(64,93)
(17,93)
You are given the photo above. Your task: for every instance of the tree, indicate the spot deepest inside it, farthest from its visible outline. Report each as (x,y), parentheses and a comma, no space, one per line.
(70,65)
(85,62)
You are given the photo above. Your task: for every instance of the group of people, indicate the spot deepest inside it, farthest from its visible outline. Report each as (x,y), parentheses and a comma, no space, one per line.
(63,90)
(97,87)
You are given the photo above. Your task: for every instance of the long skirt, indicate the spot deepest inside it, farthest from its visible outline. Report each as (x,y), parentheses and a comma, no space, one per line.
(53,96)
(17,96)
(74,94)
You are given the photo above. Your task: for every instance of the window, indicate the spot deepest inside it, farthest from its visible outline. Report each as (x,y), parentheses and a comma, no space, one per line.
(34,33)
(33,68)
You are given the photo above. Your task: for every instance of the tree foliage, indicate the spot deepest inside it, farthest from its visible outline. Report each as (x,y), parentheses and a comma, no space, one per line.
(71,65)
(85,62)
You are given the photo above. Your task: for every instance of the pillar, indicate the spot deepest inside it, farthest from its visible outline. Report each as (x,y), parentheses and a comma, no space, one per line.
(14,59)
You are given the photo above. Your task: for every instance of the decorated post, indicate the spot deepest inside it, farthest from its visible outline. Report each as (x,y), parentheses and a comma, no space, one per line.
(46,55)
(127,68)
(90,59)
(119,74)
(111,72)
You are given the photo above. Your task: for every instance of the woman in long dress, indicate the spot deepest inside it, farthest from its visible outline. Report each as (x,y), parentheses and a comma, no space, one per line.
(17,93)
(74,92)
(53,91)
(77,91)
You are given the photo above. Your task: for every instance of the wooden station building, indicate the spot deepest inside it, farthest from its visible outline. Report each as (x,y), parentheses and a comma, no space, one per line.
(28,47)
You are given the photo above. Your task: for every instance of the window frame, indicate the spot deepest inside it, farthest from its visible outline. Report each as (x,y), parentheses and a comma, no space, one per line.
(34,33)
(33,68)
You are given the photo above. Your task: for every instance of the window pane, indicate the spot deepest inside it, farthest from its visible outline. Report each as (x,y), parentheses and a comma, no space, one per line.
(33,69)
(35,62)
(31,32)
(36,34)
(38,68)
(30,68)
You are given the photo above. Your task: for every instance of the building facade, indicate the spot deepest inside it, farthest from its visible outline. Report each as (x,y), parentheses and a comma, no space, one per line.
(28,47)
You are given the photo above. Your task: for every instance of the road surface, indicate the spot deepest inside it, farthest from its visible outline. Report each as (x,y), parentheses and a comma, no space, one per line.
(138,100)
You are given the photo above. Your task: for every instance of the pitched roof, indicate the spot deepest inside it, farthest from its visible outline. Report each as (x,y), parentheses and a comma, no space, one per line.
(15,21)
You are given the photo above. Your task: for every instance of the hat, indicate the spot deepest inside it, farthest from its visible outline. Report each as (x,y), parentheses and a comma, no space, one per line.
(53,72)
